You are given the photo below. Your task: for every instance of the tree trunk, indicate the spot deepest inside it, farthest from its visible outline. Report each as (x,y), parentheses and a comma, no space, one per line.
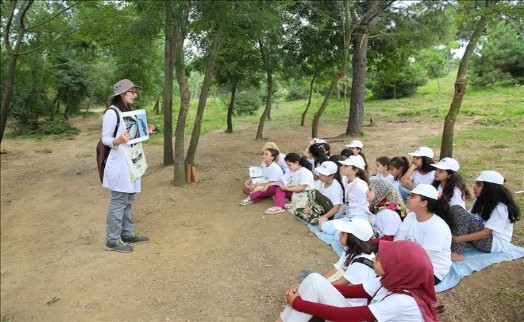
(8,92)
(359,62)
(169,66)
(338,74)
(180,71)
(268,106)
(303,120)
(231,108)
(13,54)
(446,148)
(204,93)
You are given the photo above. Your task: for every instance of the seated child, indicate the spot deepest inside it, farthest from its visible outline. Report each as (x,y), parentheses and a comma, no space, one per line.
(489,223)
(355,265)
(271,173)
(386,208)
(382,169)
(449,183)
(298,179)
(403,292)
(429,226)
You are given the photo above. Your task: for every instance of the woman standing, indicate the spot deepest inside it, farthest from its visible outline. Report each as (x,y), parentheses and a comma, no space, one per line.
(117,176)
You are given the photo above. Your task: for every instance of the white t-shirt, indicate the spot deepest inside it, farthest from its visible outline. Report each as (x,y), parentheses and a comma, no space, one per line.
(387,306)
(456,199)
(419,178)
(356,273)
(333,192)
(434,236)
(501,226)
(385,222)
(282,163)
(301,177)
(272,172)
(389,177)
(356,197)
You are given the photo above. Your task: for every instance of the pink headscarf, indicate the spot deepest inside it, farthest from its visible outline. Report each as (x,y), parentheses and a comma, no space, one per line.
(407,267)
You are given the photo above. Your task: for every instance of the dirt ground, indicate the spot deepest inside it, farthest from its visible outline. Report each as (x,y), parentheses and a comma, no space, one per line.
(209,259)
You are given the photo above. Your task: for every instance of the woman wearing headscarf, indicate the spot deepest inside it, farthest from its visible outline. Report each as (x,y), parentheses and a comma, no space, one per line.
(404,290)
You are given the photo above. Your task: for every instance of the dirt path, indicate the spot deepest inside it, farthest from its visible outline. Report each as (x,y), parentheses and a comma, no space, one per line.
(209,259)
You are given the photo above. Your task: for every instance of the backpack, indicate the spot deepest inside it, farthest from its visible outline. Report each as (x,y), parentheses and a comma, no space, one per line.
(102,150)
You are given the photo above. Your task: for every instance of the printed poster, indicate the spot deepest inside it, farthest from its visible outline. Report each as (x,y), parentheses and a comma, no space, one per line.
(136,124)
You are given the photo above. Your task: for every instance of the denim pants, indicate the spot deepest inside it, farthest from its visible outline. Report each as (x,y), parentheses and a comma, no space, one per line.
(119,222)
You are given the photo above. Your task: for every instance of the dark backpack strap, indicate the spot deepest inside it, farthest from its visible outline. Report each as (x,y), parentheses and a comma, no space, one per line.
(363,260)
(117,120)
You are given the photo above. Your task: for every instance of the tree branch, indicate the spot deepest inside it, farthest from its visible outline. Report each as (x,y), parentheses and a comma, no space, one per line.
(43,46)
(51,18)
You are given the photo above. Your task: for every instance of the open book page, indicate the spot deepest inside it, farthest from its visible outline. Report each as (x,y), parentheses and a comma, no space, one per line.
(256,175)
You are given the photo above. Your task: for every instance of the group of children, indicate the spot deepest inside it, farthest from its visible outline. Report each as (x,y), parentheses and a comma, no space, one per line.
(412,215)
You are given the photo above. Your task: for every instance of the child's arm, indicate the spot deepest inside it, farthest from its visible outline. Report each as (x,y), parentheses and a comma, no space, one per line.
(332,212)
(341,281)
(406,178)
(330,272)
(299,188)
(484,233)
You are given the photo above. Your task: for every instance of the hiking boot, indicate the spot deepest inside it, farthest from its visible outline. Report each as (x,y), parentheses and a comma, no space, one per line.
(118,246)
(135,238)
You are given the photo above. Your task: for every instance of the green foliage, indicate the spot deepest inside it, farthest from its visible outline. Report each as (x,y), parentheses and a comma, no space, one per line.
(247,102)
(71,84)
(58,126)
(500,57)
(297,92)
(399,81)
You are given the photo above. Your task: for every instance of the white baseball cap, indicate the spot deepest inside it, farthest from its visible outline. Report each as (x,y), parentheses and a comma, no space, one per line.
(426,190)
(447,164)
(355,160)
(318,140)
(490,176)
(359,227)
(423,151)
(355,144)
(327,168)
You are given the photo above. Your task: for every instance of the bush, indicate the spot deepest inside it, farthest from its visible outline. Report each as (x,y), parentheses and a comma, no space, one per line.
(58,126)
(247,102)
(296,92)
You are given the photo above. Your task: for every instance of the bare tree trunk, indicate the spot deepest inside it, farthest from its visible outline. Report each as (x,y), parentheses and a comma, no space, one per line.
(265,114)
(356,104)
(303,120)
(180,71)
(231,108)
(338,74)
(204,93)
(360,41)
(446,148)
(169,66)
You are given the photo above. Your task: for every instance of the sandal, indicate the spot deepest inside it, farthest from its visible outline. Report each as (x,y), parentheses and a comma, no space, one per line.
(246,202)
(274,210)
